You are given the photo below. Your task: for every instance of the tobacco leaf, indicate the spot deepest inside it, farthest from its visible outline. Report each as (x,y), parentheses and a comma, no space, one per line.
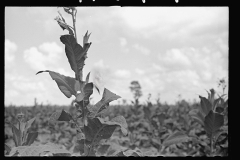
(68,85)
(175,138)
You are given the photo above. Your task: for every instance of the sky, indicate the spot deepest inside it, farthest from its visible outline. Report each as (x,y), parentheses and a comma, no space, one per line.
(170,51)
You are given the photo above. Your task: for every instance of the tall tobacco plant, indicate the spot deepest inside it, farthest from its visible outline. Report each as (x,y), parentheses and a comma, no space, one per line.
(92,128)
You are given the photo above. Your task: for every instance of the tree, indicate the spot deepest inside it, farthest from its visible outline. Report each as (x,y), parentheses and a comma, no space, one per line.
(136,90)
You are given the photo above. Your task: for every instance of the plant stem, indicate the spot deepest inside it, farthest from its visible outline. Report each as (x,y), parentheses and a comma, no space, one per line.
(74,21)
(211,145)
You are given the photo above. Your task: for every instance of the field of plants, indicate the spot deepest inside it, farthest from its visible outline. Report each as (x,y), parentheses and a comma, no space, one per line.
(150,127)
(101,129)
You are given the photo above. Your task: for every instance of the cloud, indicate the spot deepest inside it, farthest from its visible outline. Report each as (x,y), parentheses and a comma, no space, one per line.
(175,23)
(123,73)
(142,49)
(10,48)
(23,83)
(139,71)
(174,57)
(42,61)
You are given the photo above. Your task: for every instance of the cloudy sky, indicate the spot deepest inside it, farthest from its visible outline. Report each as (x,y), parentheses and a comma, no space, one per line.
(169,50)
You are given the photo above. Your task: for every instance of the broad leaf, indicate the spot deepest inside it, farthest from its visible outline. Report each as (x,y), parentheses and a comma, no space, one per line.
(213,121)
(31,138)
(205,105)
(75,54)
(197,115)
(29,123)
(64,116)
(17,136)
(107,97)
(175,138)
(67,85)
(120,120)
(98,129)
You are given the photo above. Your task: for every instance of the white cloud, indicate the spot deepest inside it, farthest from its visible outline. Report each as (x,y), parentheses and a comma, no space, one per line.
(123,73)
(174,57)
(139,71)
(142,49)
(10,48)
(174,22)
(40,61)
(23,83)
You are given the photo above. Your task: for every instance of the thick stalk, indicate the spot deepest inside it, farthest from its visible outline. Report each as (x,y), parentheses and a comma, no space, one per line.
(79,77)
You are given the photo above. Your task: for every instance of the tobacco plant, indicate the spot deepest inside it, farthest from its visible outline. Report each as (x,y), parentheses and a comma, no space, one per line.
(92,128)
(212,114)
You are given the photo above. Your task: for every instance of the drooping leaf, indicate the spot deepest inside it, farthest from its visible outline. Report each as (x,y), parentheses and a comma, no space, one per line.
(107,97)
(197,115)
(31,138)
(64,26)
(213,121)
(75,54)
(205,105)
(67,85)
(175,138)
